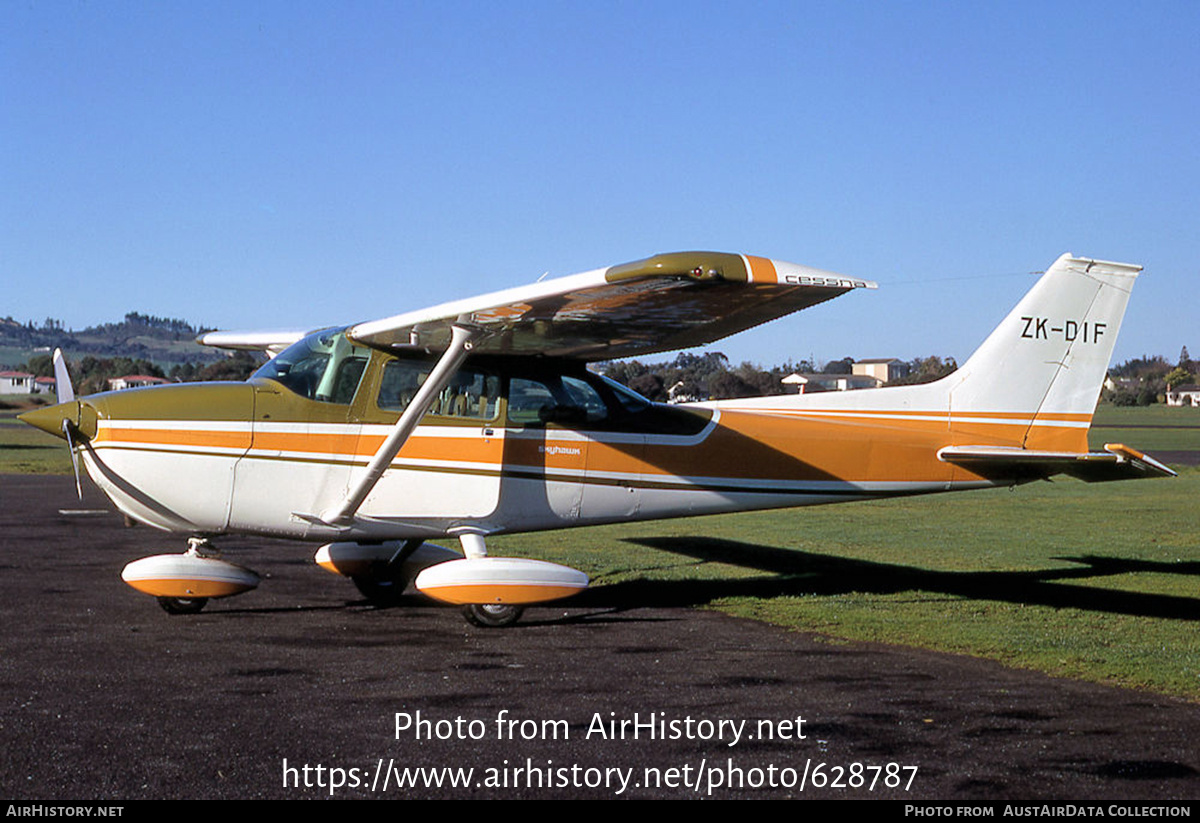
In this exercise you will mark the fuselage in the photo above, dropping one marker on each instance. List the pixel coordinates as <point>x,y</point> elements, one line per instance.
<point>513,444</point>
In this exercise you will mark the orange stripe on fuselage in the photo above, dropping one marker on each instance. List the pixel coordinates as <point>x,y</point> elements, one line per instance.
<point>763,444</point>
<point>458,449</point>
<point>1047,431</point>
<point>175,437</point>
<point>781,448</point>
<point>349,445</point>
<point>804,411</point>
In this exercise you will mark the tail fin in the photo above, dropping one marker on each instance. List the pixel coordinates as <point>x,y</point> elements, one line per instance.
<point>1047,360</point>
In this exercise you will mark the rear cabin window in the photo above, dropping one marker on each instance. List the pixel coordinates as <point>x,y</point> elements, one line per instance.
<point>563,400</point>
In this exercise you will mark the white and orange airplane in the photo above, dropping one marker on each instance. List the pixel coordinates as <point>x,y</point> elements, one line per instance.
<point>479,417</point>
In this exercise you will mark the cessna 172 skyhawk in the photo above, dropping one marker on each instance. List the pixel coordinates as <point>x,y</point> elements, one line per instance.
<point>479,417</point>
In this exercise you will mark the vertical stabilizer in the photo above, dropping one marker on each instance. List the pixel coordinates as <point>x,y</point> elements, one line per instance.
<point>1046,362</point>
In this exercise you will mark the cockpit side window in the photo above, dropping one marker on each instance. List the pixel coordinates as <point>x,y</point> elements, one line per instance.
<point>346,379</point>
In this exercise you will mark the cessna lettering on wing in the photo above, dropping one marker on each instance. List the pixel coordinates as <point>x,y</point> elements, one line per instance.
<point>1039,328</point>
<point>836,282</point>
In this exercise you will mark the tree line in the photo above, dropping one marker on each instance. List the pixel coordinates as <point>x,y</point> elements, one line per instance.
<point>91,374</point>
<point>1144,380</point>
<point>710,376</point>
<point>688,376</point>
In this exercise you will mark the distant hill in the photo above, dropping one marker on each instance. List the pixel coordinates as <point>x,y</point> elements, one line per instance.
<point>162,340</point>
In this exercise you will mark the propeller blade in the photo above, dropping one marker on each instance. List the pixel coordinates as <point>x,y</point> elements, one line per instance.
<point>62,379</point>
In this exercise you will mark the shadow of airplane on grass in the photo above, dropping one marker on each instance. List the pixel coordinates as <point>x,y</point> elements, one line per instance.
<point>796,572</point>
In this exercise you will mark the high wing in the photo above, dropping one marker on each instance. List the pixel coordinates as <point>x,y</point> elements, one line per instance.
<point>666,302</point>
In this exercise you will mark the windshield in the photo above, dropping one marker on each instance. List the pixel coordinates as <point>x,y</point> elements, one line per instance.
<point>324,366</point>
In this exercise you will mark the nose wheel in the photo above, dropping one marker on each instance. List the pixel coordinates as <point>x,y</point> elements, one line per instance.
<point>492,615</point>
<point>184,583</point>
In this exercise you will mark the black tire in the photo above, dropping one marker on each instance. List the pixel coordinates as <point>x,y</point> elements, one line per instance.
<point>379,590</point>
<point>492,615</point>
<point>182,605</point>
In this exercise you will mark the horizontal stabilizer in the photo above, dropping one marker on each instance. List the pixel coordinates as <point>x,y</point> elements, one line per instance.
<point>1116,462</point>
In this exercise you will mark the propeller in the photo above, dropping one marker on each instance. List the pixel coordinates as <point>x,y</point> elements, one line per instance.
<point>63,419</point>
<point>65,393</point>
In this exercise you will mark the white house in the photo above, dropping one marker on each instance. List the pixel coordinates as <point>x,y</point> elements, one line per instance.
<point>807,383</point>
<point>16,382</point>
<point>883,369</point>
<point>1187,394</point>
<point>134,381</point>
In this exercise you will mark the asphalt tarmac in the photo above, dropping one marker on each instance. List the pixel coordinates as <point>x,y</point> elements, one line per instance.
<point>300,685</point>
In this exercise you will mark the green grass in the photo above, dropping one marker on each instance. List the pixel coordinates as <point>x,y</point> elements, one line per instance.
<point>1157,415</point>
<point>24,449</point>
<point>1147,440</point>
<point>1094,581</point>
<point>1174,429</point>
<point>1089,581</point>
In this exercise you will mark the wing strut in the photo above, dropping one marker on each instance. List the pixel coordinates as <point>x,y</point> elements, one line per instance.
<point>460,344</point>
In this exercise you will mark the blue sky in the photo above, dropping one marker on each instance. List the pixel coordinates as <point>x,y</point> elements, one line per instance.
<point>296,164</point>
